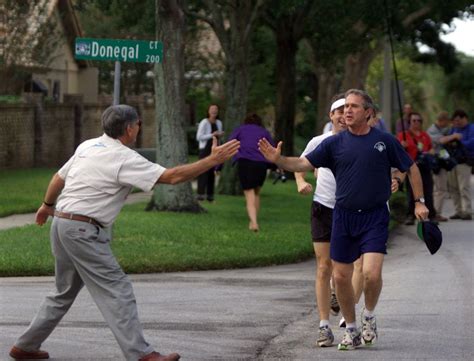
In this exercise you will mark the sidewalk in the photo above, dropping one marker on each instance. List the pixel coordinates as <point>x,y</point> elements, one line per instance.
<point>19,220</point>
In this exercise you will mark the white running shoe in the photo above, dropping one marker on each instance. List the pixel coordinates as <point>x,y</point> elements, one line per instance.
<point>326,337</point>
<point>369,330</point>
<point>350,340</point>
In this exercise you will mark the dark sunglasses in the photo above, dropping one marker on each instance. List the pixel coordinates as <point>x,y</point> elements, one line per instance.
<point>139,122</point>
<point>416,120</point>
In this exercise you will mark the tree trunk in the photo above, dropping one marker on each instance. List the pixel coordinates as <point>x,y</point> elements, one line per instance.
<point>356,66</point>
<point>286,86</point>
<point>232,22</point>
<point>236,107</point>
<point>327,85</point>
<point>327,88</point>
<point>171,143</point>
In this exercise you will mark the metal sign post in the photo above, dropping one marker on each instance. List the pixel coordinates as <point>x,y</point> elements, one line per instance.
<point>139,51</point>
<point>117,83</point>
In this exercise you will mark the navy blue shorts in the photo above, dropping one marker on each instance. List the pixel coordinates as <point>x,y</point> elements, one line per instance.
<point>357,232</point>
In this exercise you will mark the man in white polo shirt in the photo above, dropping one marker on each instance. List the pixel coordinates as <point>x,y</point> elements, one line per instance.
<point>90,190</point>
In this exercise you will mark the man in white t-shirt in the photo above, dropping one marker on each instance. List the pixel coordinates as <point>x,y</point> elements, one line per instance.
<point>328,128</point>
<point>324,200</point>
<point>90,190</point>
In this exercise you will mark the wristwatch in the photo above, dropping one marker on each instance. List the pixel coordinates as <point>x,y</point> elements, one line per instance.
<point>421,200</point>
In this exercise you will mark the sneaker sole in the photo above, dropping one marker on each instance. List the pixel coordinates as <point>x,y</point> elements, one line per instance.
<point>324,344</point>
<point>346,348</point>
<point>369,343</point>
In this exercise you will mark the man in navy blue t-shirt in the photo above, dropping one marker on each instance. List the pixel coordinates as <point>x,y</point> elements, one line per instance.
<point>361,159</point>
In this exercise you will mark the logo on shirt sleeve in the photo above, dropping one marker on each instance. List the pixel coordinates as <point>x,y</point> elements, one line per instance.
<point>380,146</point>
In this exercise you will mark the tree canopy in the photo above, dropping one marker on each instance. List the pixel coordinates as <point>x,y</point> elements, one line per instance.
<point>264,43</point>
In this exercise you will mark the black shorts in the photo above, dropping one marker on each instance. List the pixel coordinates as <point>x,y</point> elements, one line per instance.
<point>321,222</point>
<point>252,174</point>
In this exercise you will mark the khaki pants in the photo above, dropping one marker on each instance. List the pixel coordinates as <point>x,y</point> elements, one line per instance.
<point>460,188</point>
<point>83,257</point>
<point>440,189</point>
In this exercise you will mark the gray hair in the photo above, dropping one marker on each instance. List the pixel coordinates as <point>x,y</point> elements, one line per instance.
<point>116,118</point>
<point>367,99</point>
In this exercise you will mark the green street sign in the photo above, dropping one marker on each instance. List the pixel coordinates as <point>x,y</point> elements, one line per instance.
<point>138,51</point>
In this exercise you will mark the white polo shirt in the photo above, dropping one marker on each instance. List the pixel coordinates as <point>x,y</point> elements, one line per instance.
<point>325,192</point>
<point>99,177</point>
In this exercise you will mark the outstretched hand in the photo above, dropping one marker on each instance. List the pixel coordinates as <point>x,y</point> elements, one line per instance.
<point>220,153</point>
<point>271,153</point>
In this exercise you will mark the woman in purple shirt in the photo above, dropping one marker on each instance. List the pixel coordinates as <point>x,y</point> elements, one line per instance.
<point>252,166</point>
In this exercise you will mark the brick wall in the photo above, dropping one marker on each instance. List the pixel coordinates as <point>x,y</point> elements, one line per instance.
<point>91,126</point>
<point>16,136</point>
<point>47,134</point>
<point>57,140</point>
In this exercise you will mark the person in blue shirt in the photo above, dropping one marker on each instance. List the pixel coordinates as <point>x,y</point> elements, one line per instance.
<point>361,160</point>
<point>462,132</point>
<point>376,120</point>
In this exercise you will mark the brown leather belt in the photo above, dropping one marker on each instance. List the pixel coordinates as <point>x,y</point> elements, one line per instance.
<point>77,217</point>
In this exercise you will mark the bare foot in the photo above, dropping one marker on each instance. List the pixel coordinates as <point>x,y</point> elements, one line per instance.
<point>253,227</point>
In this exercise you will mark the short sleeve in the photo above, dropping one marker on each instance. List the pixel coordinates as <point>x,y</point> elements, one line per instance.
<point>398,156</point>
<point>321,156</point>
<point>63,172</point>
<point>309,147</point>
<point>137,171</point>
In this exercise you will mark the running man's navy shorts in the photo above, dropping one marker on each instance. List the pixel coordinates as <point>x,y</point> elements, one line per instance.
<point>357,232</point>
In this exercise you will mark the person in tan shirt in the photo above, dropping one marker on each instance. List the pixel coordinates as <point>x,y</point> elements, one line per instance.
<point>90,190</point>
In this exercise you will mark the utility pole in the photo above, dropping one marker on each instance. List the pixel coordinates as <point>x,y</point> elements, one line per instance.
<point>387,87</point>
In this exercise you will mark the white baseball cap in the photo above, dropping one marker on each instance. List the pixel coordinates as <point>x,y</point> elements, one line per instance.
<point>338,103</point>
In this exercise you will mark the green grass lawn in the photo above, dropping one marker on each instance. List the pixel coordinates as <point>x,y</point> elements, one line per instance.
<point>22,190</point>
<point>147,242</point>
<point>164,241</point>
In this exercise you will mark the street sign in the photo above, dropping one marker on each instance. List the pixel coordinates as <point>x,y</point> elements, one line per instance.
<point>138,51</point>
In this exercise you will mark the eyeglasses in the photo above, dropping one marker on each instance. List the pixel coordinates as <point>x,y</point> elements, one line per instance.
<point>416,120</point>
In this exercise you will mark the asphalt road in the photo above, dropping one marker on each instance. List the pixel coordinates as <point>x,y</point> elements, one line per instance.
<point>425,310</point>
